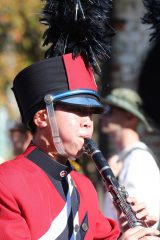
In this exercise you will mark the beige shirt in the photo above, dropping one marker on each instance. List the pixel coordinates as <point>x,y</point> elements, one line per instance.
<point>1,160</point>
<point>141,177</point>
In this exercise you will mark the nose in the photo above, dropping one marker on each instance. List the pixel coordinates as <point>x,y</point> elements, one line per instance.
<point>87,122</point>
<point>103,119</point>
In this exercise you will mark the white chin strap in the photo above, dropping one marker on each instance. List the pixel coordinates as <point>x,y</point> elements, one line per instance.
<point>53,124</point>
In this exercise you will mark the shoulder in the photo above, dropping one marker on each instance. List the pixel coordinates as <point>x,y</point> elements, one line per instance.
<point>1,160</point>
<point>141,153</point>
<point>16,170</point>
<point>140,160</point>
<point>15,164</point>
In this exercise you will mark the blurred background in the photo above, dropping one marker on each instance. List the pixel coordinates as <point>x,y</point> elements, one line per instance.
<point>21,45</point>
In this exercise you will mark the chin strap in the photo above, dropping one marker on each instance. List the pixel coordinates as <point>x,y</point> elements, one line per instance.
<point>53,124</point>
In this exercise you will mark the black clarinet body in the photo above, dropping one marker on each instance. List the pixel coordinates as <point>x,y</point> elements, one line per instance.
<point>117,191</point>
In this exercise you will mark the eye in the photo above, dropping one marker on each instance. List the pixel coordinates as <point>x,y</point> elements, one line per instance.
<point>81,111</point>
<point>108,110</point>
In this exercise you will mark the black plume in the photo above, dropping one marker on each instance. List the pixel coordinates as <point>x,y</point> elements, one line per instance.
<point>152,17</point>
<point>80,27</point>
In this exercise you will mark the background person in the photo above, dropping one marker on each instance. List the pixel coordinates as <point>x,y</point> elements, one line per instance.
<point>133,162</point>
<point>20,137</point>
<point>1,160</point>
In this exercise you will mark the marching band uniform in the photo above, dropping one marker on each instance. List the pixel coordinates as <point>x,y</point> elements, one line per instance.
<point>34,201</point>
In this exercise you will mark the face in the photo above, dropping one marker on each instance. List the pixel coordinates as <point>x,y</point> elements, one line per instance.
<point>74,125</point>
<point>20,141</point>
<point>113,120</point>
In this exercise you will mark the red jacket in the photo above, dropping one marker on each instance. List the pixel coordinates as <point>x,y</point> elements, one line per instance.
<point>29,202</point>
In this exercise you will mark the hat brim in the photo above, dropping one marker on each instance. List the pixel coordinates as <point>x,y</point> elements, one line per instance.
<point>84,102</point>
<point>84,98</point>
<point>116,102</point>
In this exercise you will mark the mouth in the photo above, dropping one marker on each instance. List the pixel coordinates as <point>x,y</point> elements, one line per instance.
<point>85,137</point>
<point>82,142</point>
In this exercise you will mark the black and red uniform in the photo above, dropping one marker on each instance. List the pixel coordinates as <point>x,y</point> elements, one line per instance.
<point>34,202</point>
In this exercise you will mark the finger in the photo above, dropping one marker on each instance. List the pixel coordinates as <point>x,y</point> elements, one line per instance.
<point>150,238</point>
<point>151,220</point>
<point>130,233</point>
<point>147,232</point>
<point>142,214</point>
<point>139,207</point>
<point>140,233</point>
<point>140,210</point>
<point>132,200</point>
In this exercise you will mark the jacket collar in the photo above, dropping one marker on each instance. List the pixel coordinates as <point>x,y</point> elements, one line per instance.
<point>46,163</point>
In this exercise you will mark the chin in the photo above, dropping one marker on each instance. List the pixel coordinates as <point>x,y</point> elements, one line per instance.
<point>79,154</point>
<point>76,155</point>
<point>105,130</point>
<point>74,150</point>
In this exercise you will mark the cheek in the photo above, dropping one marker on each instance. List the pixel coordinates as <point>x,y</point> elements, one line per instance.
<point>68,125</point>
<point>103,121</point>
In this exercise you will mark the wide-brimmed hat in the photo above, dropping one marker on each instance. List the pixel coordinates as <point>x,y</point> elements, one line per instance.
<point>130,101</point>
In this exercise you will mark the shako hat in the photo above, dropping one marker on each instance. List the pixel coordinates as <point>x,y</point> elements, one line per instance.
<point>68,80</point>
<point>79,37</point>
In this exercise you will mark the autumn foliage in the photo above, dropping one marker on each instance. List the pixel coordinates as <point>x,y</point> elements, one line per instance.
<point>20,39</point>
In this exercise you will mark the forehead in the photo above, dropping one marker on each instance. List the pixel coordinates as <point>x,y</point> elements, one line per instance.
<point>114,107</point>
<point>16,134</point>
<point>110,110</point>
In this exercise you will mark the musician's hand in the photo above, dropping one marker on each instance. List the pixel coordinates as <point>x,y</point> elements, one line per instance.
<point>141,213</point>
<point>141,233</point>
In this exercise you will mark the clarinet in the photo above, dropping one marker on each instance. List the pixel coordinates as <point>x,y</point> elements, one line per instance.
<point>118,192</point>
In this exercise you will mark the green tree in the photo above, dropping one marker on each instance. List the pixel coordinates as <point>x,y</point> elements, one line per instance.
<point>20,39</point>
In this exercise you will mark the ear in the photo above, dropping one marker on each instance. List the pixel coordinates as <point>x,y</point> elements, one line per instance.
<point>133,120</point>
<point>40,119</point>
<point>29,135</point>
<point>129,116</point>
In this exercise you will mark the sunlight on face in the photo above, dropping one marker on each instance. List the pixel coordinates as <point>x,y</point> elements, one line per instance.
<point>74,125</point>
